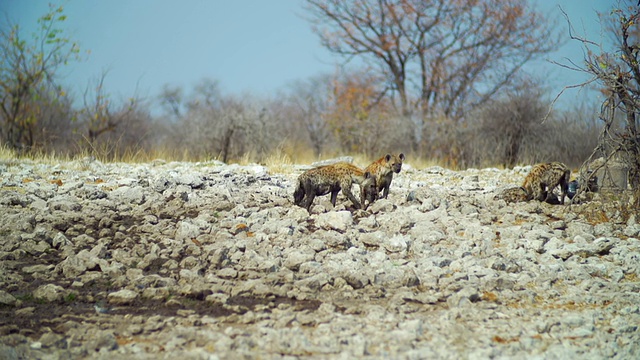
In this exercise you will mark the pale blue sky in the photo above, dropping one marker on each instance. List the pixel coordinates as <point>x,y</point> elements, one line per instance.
<point>256,46</point>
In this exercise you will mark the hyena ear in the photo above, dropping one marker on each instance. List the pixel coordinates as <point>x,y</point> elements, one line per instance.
<point>367,175</point>
<point>401,156</point>
<point>387,157</point>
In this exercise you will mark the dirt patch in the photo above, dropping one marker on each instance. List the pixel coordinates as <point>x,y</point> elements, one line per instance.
<point>36,317</point>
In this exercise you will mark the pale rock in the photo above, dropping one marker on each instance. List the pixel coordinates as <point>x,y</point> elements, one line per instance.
<point>314,282</point>
<point>382,205</point>
<point>7,299</point>
<point>49,293</point>
<point>398,243</point>
<point>373,239</point>
<point>103,340</point>
<point>50,339</point>
<point>333,239</point>
<point>335,220</point>
<point>60,240</point>
<point>297,257</point>
<point>128,195</point>
<point>186,231</point>
<point>190,179</point>
<point>122,297</point>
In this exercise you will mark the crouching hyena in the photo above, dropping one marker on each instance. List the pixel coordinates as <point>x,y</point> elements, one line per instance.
<point>543,178</point>
<point>513,194</point>
<point>331,179</point>
<point>383,170</point>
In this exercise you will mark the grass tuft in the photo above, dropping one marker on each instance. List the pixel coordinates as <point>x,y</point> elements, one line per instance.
<point>278,162</point>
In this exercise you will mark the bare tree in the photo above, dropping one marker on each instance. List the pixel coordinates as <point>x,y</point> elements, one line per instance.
<point>507,122</point>
<point>310,100</point>
<point>99,114</point>
<point>510,130</point>
<point>439,57</point>
<point>230,121</point>
<point>212,125</point>
<point>55,124</point>
<point>171,99</point>
<point>359,115</point>
<point>27,71</point>
<point>617,71</point>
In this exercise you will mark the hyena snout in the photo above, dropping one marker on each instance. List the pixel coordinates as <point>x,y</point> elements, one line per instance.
<point>371,195</point>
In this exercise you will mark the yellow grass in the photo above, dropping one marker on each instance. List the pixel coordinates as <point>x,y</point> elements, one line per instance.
<point>8,155</point>
<point>280,160</point>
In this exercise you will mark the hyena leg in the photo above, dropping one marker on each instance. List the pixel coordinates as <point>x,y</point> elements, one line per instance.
<point>564,186</point>
<point>354,200</point>
<point>310,195</point>
<point>309,201</point>
<point>541,193</point>
<point>334,196</point>
<point>385,191</point>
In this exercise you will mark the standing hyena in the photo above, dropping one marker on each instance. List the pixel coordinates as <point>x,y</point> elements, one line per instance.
<point>543,178</point>
<point>383,170</point>
<point>331,179</point>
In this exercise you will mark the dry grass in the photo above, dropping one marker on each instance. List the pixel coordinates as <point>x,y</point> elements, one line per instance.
<point>280,160</point>
<point>11,156</point>
<point>6,154</point>
<point>109,153</point>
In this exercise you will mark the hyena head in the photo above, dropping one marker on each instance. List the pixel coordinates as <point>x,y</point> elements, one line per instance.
<point>395,162</point>
<point>514,194</point>
<point>368,189</point>
<point>298,194</point>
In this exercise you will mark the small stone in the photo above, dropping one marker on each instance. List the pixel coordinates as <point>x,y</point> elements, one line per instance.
<point>122,297</point>
<point>227,273</point>
<point>7,299</point>
<point>335,220</point>
<point>397,243</point>
<point>50,339</point>
<point>49,293</point>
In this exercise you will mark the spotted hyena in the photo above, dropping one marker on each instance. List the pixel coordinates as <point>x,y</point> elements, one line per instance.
<point>331,179</point>
<point>513,194</point>
<point>383,170</point>
<point>543,178</point>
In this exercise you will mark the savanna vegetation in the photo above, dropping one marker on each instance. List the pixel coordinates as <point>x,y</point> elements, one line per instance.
<point>443,81</point>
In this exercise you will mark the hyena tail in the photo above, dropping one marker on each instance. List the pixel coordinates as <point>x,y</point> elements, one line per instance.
<point>298,195</point>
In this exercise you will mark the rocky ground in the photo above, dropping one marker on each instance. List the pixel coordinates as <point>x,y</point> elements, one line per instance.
<point>213,261</point>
